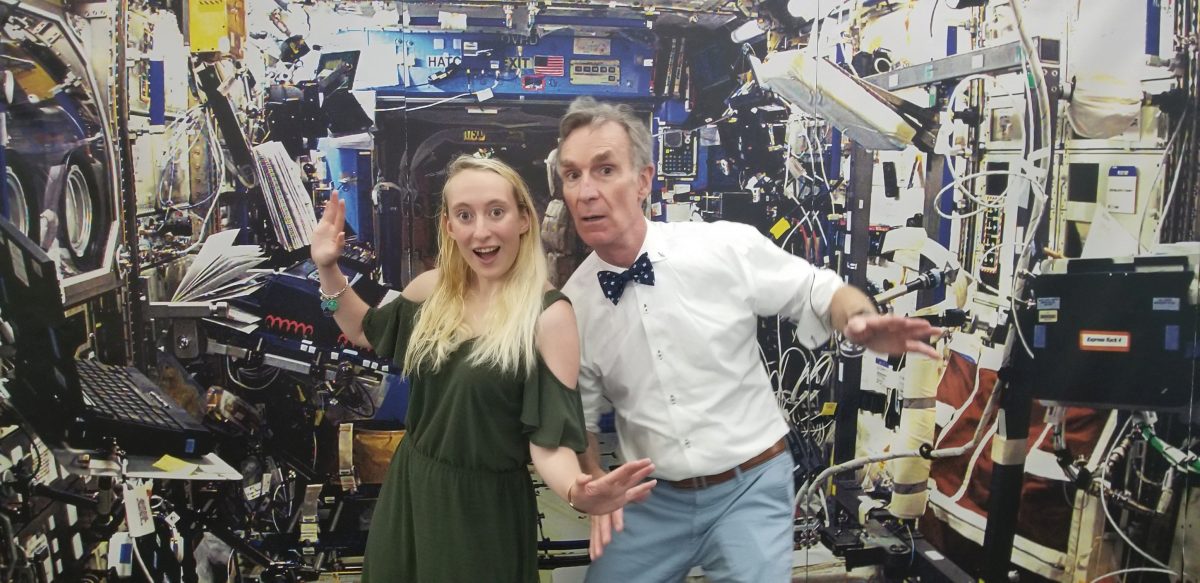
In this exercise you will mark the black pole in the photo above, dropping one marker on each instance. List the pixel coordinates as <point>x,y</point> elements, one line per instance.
<point>848,375</point>
<point>135,324</point>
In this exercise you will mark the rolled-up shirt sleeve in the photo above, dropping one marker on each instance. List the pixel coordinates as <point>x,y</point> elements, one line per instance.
<point>782,284</point>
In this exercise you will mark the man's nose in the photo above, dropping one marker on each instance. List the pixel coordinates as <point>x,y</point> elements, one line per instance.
<point>588,189</point>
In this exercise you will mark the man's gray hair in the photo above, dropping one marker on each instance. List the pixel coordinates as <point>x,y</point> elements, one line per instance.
<point>586,111</point>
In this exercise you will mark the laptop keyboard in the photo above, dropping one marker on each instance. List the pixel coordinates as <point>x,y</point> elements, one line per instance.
<point>111,391</point>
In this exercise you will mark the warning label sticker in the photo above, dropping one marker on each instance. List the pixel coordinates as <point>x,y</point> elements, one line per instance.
<point>1103,341</point>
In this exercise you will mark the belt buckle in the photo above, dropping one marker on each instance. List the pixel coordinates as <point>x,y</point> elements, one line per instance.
<point>700,483</point>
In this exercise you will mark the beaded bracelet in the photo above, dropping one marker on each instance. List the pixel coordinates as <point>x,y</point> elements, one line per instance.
<point>329,302</point>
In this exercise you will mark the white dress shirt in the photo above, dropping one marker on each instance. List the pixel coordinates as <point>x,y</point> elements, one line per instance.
<point>679,360</point>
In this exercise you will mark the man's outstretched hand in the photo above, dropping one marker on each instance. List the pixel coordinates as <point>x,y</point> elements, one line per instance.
<point>891,334</point>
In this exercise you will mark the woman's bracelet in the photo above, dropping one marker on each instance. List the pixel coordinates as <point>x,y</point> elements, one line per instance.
<point>329,302</point>
<point>571,502</point>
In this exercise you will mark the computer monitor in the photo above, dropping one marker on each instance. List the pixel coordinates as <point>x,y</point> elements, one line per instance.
<point>336,70</point>
<point>46,387</point>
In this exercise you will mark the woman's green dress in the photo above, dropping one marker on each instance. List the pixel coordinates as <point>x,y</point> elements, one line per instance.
<point>458,503</point>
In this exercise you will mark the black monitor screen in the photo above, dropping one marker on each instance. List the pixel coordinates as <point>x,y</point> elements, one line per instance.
<point>45,388</point>
<point>339,68</point>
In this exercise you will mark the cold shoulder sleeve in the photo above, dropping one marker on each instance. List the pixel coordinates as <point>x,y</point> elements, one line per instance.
<point>388,327</point>
<point>552,413</point>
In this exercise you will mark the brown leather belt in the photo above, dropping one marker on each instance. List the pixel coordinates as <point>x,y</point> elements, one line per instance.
<point>707,481</point>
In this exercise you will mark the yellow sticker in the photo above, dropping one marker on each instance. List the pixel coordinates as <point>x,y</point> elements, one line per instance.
<point>174,465</point>
<point>1047,316</point>
<point>828,409</point>
<point>780,228</point>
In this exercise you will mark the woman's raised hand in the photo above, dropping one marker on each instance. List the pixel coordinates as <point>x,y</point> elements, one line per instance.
<point>329,237</point>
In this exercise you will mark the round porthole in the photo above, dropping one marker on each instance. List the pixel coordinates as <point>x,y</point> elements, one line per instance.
<point>82,212</point>
<point>79,210</point>
<point>18,205</point>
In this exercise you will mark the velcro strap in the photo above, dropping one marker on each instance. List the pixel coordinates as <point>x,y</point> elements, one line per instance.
<point>346,474</point>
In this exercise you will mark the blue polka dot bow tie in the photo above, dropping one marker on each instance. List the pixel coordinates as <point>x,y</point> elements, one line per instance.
<point>613,284</point>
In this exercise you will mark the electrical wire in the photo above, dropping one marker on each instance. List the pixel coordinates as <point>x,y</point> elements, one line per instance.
<point>1170,198</point>
<point>1135,570</point>
<point>1104,485</point>
<point>440,101</point>
<point>238,380</point>
<point>1180,459</point>
<point>1035,61</point>
<point>1159,174</point>
<point>1041,190</point>
<point>958,413</point>
<point>138,555</point>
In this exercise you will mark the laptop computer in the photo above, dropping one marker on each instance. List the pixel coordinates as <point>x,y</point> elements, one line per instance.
<point>77,402</point>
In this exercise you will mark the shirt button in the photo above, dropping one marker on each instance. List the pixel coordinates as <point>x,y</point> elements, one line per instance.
<point>672,399</point>
<point>660,355</point>
<point>645,308</point>
<point>687,443</point>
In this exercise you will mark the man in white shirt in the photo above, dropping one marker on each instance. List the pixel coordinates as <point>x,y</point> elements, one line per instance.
<point>668,326</point>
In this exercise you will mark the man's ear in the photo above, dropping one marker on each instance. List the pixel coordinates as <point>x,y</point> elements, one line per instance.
<point>645,181</point>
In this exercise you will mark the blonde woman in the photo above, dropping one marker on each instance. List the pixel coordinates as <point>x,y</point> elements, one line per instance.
<point>492,354</point>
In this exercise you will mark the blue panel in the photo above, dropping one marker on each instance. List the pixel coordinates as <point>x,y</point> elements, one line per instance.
<point>344,176</point>
<point>498,65</point>
<point>1039,336</point>
<point>835,155</point>
<point>158,101</point>
<point>365,182</point>
<point>673,111</point>
<point>395,402</point>
<point>70,107</point>
<point>1153,23</point>
<point>947,202</point>
<point>1171,338</point>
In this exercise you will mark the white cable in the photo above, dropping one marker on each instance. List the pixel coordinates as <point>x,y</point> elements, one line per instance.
<point>138,555</point>
<point>965,484</point>
<point>958,413</point>
<point>1158,174</point>
<point>440,101</point>
<point>1104,500</point>
<point>1027,125</point>
<point>821,155</point>
<point>1117,528</point>
<point>406,108</point>
<point>1039,74</point>
<point>853,464</point>
<point>1162,217</point>
<point>787,172</point>
<point>984,205</point>
<point>984,421</point>
<point>1135,570</point>
<point>203,226</point>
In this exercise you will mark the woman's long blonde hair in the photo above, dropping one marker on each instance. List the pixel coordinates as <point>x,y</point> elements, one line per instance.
<point>506,340</point>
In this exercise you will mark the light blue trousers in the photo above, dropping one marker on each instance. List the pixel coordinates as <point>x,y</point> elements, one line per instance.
<point>739,531</point>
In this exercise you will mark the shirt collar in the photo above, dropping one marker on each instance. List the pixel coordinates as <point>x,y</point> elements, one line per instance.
<point>653,245</point>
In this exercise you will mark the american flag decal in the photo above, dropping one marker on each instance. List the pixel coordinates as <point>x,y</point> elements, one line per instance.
<point>551,66</point>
